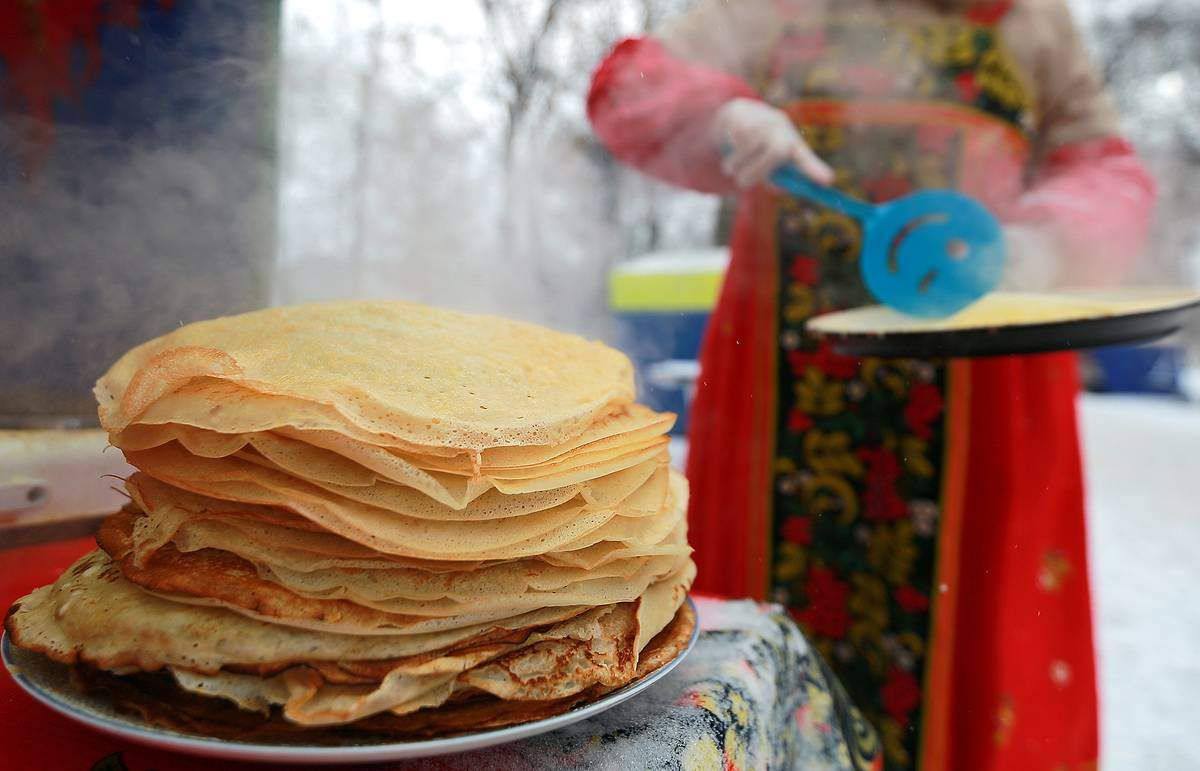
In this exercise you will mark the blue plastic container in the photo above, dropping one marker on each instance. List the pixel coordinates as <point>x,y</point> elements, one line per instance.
<point>662,303</point>
<point>1146,369</point>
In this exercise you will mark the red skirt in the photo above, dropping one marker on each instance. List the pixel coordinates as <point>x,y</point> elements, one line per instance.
<point>1008,680</point>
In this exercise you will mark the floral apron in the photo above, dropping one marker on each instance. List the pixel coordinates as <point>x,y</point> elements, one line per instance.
<point>871,461</point>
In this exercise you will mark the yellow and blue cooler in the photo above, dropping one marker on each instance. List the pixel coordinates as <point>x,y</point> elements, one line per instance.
<point>662,302</point>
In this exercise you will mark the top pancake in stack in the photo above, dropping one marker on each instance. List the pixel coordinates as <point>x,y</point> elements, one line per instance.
<point>361,509</point>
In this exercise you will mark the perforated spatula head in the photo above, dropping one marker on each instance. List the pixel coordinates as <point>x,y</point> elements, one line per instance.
<point>930,253</point>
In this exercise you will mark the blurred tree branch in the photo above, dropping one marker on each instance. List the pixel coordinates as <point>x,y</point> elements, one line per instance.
<point>360,178</point>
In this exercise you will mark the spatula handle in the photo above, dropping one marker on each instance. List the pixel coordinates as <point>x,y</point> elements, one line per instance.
<point>792,180</point>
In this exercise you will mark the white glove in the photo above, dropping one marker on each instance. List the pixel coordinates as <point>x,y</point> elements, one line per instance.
<point>1033,261</point>
<point>759,139</point>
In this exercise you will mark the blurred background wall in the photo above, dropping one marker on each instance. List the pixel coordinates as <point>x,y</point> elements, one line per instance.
<point>137,183</point>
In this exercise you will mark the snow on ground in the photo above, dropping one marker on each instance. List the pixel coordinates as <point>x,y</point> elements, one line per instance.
<point>1143,472</point>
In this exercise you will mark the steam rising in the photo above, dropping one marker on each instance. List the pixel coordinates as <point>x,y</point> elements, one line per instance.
<point>160,214</point>
<point>464,205</point>
<point>435,152</point>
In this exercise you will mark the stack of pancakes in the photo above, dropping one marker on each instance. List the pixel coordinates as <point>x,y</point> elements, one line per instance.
<point>374,514</point>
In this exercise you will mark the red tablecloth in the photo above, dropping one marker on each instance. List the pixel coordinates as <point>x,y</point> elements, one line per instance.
<point>33,736</point>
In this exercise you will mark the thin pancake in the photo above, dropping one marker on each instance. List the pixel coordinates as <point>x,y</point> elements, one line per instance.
<point>626,426</point>
<point>233,479</point>
<point>377,528</point>
<point>226,408</point>
<point>158,700</point>
<point>274,546</point>
<point>93,615</point>
<point>998,310</point>
<point>430,376</point>
<point>598,647</point>
<point>266,534</point>
<point>376,601</point>
<point>605,491</point>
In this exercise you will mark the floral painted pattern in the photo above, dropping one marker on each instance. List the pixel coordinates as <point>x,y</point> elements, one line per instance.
<point>752,695</point>
<point>859,443</point>
<point>857,485</point>
<point>957,60</point>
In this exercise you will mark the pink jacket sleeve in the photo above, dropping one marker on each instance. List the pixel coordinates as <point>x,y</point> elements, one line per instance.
<point>1089,191</point>
<point>1097,200</point>
<point>653,111</point>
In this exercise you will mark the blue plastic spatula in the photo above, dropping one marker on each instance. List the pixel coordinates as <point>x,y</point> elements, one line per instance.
<point>930,253</point>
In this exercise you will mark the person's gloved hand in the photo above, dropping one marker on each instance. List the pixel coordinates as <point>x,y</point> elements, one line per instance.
<point>758,138</point>
<point>1033,260</point>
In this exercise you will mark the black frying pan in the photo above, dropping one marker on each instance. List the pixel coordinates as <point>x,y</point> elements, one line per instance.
<point>1142,325</point>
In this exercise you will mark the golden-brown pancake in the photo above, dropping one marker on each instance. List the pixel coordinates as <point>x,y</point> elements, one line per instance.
<point>377,515</point>
<point>429,376</point>
<point>570,526</point>
<point>1006,309</point>
<point>158,700</point>
<point>283,548</point>
<point>597,647</point>
<point>94,616</point>
<point>373,601</point>
<point>625,426</point>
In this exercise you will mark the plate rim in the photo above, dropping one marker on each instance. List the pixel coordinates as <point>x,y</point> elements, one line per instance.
<point>134,730</point>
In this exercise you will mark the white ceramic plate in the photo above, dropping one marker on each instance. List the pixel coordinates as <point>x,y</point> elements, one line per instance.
<point>50,684</point>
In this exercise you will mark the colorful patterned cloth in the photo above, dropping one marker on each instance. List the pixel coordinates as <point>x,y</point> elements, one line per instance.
<point>751,695</point>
